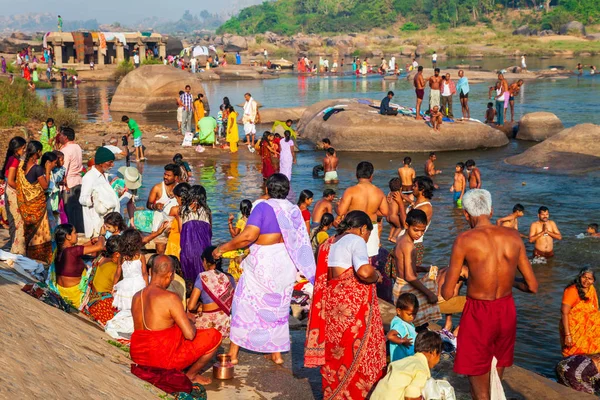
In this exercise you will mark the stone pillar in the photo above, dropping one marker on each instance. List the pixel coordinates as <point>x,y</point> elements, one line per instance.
<point>120,52</point>
<point>141,50</point>
<point>58,48</point>
<point>100,58</point>
<point>162,50</point>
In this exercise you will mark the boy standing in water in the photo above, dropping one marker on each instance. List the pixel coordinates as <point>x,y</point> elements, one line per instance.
<point>474,175</point>
<point>407,174</point>
<point>490,113</point>
<point>330,163</point>
<point>458,187</point>
<point>134,130</point>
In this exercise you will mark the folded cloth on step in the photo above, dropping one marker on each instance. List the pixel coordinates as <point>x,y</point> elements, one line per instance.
<point>23,265</point>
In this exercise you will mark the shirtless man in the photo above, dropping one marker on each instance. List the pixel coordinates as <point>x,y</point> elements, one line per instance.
<point>512,220</point>
<point>330,163</point>
<point>160,200</point>
<point>365,197</point>
<point>430,170</point>
<point>435,83</point>
<point>474,175</point>
<point>514,90</point>
<point>488,324</point>
<point>543,233</point>
<point>505,92</point>
<point>407,174</point>
<point>325,205</point>
<point>325,143</point>
<point>160,323</point>
<point>419,83</point>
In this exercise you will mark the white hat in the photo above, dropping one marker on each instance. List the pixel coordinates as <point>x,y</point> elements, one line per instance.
<point>133,178</point>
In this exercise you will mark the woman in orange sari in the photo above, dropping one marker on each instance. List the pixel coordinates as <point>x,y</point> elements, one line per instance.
<point>32,181</point>
<point>345,332</point>
<point>580,324</point>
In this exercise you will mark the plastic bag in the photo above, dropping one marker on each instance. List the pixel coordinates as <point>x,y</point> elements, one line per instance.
<point>438,390</point>
<point>496,389</point>
<point>187,139</point>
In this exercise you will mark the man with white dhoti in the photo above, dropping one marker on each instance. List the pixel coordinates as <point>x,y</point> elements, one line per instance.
<point>279,247</point>
<point>97,195</point>
<point>366,197</point>
<point>249,120</point>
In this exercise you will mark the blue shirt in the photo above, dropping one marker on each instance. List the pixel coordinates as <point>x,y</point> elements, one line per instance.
<point>385,105</point>
<point>399,351</point>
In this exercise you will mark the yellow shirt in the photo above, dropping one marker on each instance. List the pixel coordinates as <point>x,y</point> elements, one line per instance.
<point>404,378</point>
<point>104,278</point>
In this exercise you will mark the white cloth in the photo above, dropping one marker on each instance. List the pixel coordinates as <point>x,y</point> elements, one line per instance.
<point>392,63</point>
<point>499,95</point>
<point>97,199</point>
<point>114,149</point>
<point>162,216</point>
<point>496,389</point>
<point>446,90</point>
<point>132,282</point>
<point>249,129</point>
<point>121,326</point>
<point>523,63</point>
<point>350,251</point>
<point>23,265</point>
<point>136,59</point>
<point>250,110</point>
<point>434,57</point>
<point>373,243</point>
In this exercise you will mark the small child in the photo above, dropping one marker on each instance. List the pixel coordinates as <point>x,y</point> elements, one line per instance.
<point>395,185</point>
<point>402,331</point>
<point>458,187</point>
<point>405,379</point>
<point>134,130</point>
<point>490,113</point>
<point>592,230</point>
<point>132,266</point>
<point>114,224</point>
<point>237,256</point>
<point>319,234</point>
<point>436,118</point>
<point>186,170</point>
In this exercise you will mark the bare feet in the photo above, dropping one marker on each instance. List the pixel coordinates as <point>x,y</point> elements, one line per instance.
<point>276,358</point>
<point>200,379</point>
<point>419,118</point>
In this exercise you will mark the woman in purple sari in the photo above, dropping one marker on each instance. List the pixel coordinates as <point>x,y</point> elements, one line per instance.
<point>196,231</point>
<point>279,247</point>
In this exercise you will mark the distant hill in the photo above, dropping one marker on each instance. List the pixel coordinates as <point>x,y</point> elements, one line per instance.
<point>287,17</point>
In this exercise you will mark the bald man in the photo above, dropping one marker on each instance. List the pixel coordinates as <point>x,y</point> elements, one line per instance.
<point>164,337</point>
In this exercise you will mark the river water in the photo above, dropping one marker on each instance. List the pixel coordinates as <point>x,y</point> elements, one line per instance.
<point>572,199</point>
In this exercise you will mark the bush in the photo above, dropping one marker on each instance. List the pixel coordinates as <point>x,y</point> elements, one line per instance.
<point>124,67</point>
<point>151,61</point>
<point>444,26</point>
<point>409,26</point>
<point>554,19</point>
<point>18,105</point>
<point>457,51</point>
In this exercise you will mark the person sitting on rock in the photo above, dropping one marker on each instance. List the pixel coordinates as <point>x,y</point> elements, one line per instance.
<point>385,108</point>
<point>436,118</point>
<point>164,337</point>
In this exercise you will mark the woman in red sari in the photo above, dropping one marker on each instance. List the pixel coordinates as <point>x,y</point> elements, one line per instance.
<point>267,151</point>
<point>345,332</point>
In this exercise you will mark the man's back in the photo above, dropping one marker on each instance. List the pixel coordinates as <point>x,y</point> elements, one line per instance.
<point>365,197</point>
<point>407,175</point>
<point>492,254</point>
<point>155,304</point>
<point>321,207</point>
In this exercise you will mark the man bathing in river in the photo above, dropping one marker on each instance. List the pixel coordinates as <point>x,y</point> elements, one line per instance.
<point>489,320</point>
<point>325,205</point>
<point>514,90</point>
<point>474,175</point>
<point>512,220</point>
<point>430,170</point>
<point>435,82</point>
<point>330,163</point>
<point>407,174</point>
<point>542,233</point>
<point>366,197</point>
<point>164,336</point>
<point>419,83</point>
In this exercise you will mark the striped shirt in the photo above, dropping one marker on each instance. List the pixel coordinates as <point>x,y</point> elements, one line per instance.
<point>187,100</point>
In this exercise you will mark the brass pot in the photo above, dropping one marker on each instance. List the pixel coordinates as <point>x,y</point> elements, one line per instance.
<point>223,369</point>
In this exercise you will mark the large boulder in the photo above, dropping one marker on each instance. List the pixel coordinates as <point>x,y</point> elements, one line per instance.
<point>572,149</point>
<point>538,126</point>
<point>573,27</point>
<point>593,36</point>
<point>235,43</point>
<point>361,128</point>
<point>306,43</point>
<point>522,31</point>
<point>153,88</point>
<point>270,115</point>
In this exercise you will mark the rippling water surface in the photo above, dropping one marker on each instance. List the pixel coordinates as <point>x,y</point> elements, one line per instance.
<point>572,199</point>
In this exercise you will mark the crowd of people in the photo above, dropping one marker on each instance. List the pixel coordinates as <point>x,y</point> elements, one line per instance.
<point>178,305</point>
